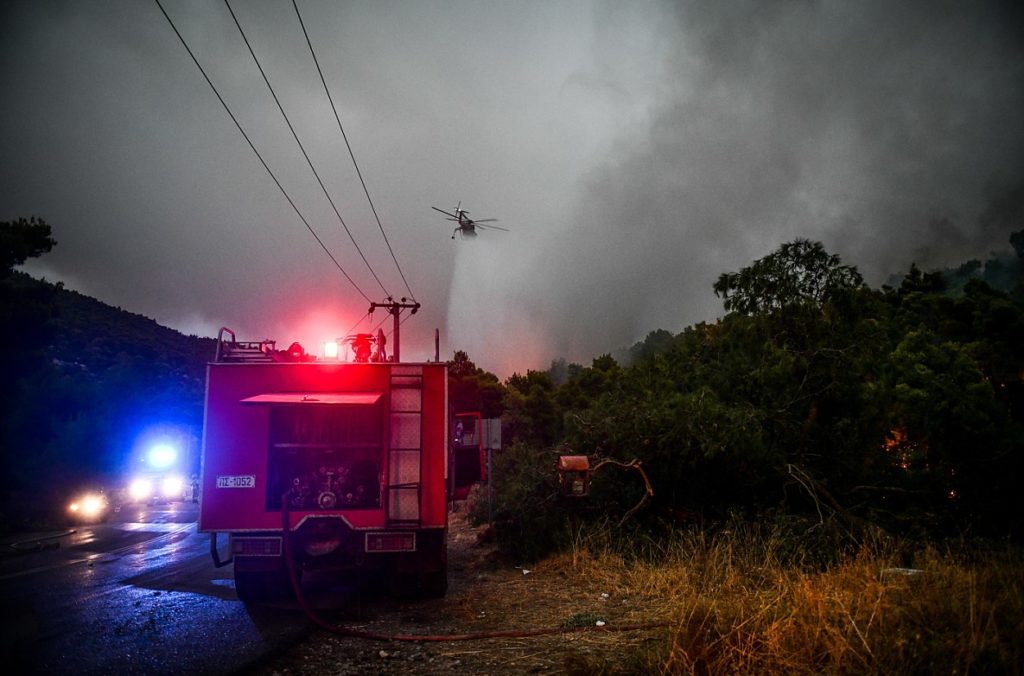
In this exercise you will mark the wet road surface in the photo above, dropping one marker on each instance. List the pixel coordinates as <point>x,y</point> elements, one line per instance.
<point>138,594</point>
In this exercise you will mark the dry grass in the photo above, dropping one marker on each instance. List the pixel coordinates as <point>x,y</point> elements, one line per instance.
<point>760,600</point>
<point>734,606</point>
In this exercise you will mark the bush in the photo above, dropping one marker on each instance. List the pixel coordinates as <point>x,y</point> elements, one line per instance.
<point>531,516</point>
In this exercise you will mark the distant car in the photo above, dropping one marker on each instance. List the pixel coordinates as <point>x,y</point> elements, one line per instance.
<point>158,476</point>
<point>157,487</point>
<point>89,507</point>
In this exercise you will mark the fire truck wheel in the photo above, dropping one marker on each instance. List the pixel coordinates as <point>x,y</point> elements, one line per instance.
<point>434,585</point>
<point>419,585</point>
<point>257,586</point>
<point>434,582</point>
<point>431,583</point>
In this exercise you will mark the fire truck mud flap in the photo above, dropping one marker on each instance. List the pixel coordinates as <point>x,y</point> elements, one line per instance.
<point>260,570</point>
<point>215,553</point>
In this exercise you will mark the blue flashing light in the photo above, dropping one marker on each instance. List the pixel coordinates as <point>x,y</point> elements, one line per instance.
<point>162,456</point>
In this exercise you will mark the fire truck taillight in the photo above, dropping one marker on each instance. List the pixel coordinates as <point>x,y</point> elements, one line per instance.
<point>391,542</point>
<point>331,350</point>
<point>256,546</point>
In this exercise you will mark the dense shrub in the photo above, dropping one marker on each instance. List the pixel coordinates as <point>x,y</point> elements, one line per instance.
<point>901,407</point>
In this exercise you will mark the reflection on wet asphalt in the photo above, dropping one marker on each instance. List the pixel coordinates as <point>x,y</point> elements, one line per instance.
<point>137,595</point>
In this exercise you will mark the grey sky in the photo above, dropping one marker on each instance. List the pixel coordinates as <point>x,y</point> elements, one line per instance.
<point>635,151</point>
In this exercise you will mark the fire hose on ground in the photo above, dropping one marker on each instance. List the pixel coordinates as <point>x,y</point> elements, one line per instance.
<point>425,638</point>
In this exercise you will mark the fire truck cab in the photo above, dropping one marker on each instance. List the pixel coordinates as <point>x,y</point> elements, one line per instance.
<point>324,465</point>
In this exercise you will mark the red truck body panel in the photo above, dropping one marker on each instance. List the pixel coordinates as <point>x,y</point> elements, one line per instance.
<point>240,449</point>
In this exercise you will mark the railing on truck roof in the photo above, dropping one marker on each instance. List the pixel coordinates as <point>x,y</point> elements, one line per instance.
<point>244,352</point>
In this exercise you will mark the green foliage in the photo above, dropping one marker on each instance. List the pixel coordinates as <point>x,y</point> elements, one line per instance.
<point>531,515</point>
<point>656,342</point>
<point>800,271</point>
<point>471,389</point>
<point>817,397</point>
<point>530,409</point>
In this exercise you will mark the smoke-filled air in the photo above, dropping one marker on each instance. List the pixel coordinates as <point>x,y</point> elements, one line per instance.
<point>634,151</point>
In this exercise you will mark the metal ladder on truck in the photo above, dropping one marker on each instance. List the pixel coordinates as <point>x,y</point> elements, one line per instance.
<point>405,447</point>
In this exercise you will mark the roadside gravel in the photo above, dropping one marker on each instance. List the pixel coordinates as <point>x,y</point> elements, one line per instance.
<point>485,594</point>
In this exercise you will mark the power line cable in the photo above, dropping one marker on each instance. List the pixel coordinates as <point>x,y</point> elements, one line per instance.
<point>303,149</point>
<point>364,318</point>
<point>382,320</point>
<point>258,155</point>
<point>349,146</point>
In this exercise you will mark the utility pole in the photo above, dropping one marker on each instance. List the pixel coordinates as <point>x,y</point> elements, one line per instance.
<point>395,308</point>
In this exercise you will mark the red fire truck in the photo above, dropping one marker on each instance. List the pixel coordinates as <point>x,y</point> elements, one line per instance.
<point>347,460</point>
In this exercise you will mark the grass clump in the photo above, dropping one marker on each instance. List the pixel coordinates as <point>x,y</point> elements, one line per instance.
<point>577,620</point>
<point>738,602</point>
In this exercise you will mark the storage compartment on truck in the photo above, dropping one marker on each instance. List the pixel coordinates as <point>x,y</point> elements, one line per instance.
<point>326,457</point>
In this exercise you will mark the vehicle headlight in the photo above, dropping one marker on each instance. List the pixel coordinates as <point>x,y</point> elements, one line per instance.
<point>140,489</point>
<point>92,505</point>
<point>88,506</point>
<point>173,485</point>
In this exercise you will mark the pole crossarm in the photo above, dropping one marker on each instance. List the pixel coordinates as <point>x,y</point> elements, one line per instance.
<point>393,306</point>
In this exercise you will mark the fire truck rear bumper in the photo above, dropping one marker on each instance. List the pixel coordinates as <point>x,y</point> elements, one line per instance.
<point>327,547</point>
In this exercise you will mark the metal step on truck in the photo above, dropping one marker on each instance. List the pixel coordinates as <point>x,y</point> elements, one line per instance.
<point>322,464</point>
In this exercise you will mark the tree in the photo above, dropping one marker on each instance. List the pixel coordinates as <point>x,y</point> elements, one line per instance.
<point>23,239</point>
<point>1017,242</point>
<point>26,308</point>
<point>656,342</point>
<point>471,388</point>
<point>461,365</point>
<point>799,272</point>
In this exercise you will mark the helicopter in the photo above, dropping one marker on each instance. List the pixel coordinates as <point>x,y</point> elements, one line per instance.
<point>467,226</point>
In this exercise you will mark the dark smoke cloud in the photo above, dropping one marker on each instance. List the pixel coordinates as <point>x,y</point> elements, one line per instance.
<point>890,131</point>
<point>634,150</point>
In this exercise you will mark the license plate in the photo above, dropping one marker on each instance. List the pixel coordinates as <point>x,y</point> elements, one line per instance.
<point>244,481</point>
<point>390,542</point>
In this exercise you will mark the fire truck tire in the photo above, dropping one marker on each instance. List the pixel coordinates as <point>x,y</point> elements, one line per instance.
<point>434,585</point>
<point>434,582</point>
<point>257,586</point>
<point>429,579</point>
<point>430,585</point>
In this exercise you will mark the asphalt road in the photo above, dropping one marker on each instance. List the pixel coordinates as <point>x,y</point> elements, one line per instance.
<point>138,594</point>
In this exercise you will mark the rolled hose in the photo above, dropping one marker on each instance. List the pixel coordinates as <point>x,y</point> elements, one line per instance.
<point>424,638</point>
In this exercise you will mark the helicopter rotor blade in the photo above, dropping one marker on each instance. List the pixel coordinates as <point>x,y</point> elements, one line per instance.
<point>492,227</point>
<point>444,212</point>
<point>485,220</point>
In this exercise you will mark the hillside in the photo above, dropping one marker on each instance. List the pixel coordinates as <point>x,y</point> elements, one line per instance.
<point>85,384</point>
<point>96,335</point>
